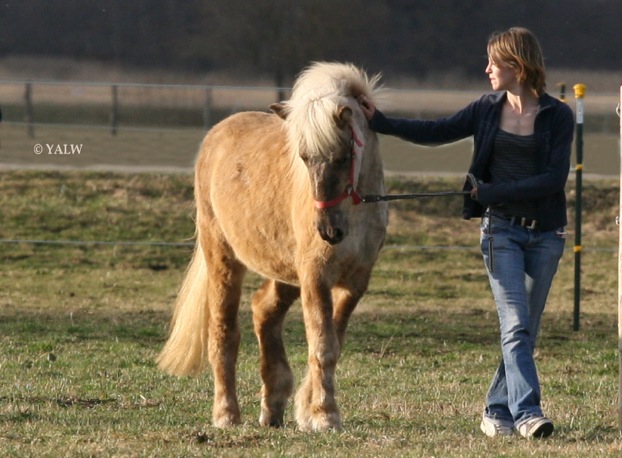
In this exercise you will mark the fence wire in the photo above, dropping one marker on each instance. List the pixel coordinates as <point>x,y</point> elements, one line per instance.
<point>191,244</point>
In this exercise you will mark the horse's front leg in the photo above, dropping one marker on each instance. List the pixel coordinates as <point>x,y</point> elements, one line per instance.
<point>316,408</point>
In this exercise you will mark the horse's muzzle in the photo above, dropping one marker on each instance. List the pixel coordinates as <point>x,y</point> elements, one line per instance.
<point>332,235</point>
<point>332,225</point>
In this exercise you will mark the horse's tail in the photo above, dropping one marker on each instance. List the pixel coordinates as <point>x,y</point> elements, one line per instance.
<point>185,352</point>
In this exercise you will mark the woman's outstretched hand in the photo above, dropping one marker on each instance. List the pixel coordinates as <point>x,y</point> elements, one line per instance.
<point>367,106</point>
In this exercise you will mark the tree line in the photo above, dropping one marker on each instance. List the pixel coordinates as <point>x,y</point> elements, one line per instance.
<point>276,38</point>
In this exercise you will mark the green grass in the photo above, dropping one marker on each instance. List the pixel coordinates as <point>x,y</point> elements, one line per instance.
<point>80,327</point>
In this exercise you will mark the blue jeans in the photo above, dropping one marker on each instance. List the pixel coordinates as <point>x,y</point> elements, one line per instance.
<point>524,264</point>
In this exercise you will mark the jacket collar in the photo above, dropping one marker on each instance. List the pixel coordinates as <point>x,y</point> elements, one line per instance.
<point>498,98</point>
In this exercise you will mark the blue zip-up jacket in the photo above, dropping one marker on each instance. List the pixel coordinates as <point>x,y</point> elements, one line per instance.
<point>553,129</point>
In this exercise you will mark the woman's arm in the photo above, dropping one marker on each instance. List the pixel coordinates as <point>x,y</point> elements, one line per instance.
<point>427,132</point>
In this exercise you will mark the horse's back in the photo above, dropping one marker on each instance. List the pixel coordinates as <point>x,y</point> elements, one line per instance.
<point>242,182</point>
<point>232,136</point>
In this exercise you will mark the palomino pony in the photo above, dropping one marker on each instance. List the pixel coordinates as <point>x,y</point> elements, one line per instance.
<point>278,194</point>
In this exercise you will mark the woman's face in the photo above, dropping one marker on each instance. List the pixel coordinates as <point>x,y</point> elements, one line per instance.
<point>502,77</point>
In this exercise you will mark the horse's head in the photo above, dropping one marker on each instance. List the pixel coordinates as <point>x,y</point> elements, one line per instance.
<point>332,155</point>
<point>325,129</point>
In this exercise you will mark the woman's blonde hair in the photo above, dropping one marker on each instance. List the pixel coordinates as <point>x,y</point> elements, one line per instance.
<point>519,48</point>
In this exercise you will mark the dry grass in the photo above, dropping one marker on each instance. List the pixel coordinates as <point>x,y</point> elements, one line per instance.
<point>81,325</point>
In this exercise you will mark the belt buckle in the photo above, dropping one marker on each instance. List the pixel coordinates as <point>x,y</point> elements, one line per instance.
<point>532,226</point>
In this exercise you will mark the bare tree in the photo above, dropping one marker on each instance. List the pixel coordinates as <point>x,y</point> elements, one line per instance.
<point>279,37</point>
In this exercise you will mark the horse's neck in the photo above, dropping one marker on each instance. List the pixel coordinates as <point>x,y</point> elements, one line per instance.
<point>299,179</point>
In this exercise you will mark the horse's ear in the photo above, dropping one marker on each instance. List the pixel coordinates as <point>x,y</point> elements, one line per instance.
<point>280,109</point>
<point>344,115</point>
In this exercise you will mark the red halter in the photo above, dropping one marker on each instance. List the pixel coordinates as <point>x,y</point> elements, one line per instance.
<point>349,191</point>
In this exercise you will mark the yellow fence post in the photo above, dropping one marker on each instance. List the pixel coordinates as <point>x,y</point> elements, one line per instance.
<point>579,93</point>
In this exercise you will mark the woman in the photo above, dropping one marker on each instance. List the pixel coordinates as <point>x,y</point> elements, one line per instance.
<point>521,160</point>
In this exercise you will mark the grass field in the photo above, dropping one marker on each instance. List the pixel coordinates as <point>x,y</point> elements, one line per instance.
<point>80,326</point>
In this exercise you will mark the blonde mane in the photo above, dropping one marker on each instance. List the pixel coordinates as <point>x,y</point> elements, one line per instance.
<point>318,93</point>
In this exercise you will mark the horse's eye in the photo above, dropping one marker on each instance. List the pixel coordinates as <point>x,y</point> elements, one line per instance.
<point>346,158</point>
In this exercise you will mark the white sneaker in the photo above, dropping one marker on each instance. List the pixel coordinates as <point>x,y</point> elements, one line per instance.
<point>496,427</point>
<point>536,427</point>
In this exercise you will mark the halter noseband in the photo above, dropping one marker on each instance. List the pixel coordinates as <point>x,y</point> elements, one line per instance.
<point>357,145</point>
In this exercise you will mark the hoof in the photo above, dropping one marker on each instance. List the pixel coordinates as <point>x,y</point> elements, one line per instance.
<point>320,422</point>
<point>274,421</point>
<point>272,412</point>
<point>226,421</point>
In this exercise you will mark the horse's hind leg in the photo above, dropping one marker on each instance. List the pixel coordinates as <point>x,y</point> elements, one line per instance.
<point>345,300</point>
<point>270,304</point>
<point>224,288</point>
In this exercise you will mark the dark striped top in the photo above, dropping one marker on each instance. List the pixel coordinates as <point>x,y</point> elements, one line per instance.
<point>514,158</point>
